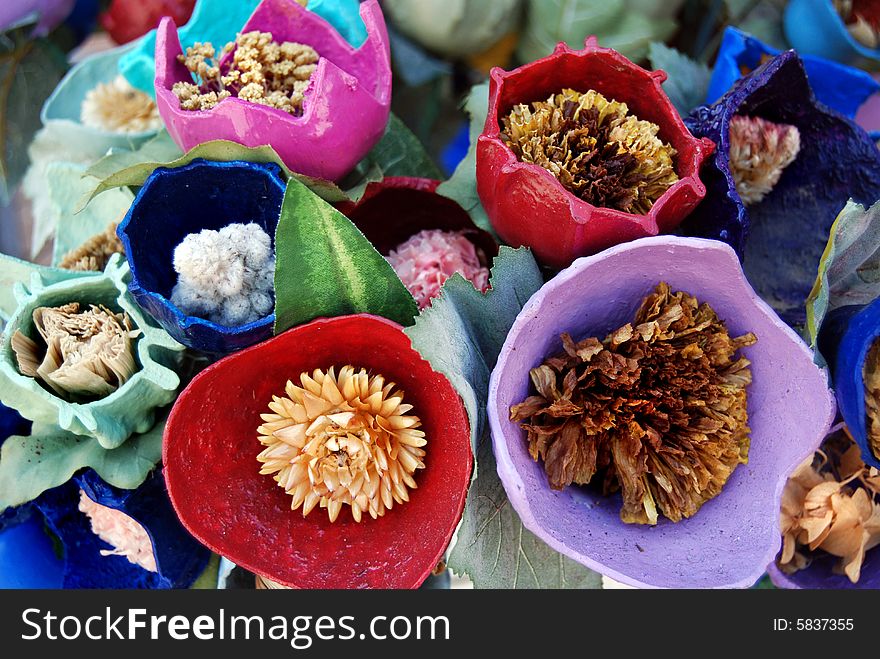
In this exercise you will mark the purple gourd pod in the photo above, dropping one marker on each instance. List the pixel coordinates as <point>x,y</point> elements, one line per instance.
<point>346,106</point>
<point>732,538</point>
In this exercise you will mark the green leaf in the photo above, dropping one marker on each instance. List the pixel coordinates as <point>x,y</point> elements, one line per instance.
<point>462,185</point>
<point>849,270</point>
<point>324,266</point>
<point>496,551</point>
<point>398,153</point>
<point>462,332</point>
<point>29,71</point>
<point>688,80</point>
<point>50,456</point>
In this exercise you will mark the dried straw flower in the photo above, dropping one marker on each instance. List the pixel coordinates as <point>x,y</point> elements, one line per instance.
<point>831,504</point>
<point>658,409</point>
<point>261,71</point>
<point>93,254</point>
<point>430,257</point>
<point>597,150</point>
<point>862,19</point>
<point>127,537</point>
<point>342,441</point>
<point>759,151</point>
<point>871,376</point>
<point>118,107</point>
<point>82,355</point>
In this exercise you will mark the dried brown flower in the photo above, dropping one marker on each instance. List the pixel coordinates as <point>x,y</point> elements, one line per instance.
<point>831,504</point>
<point>93,254</point>
<point>759,151</point>
<point>342,441</point>
<point>118,107</point>
<point>597,150</point>
<point>261,71</point>
<point>82,354</point>
<point>657,409</point>
<point>871,376</point>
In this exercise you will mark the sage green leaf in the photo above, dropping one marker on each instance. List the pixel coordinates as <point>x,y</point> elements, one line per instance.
<point>49,457</point>
<point>688,80</point>
<point>763,20</point>
<point>398,153</point>
<point>131,168</point>
<point>462,185</point>
<point>849,270</point>
<point>324,266</point>
<point>495,550</point>
<point>29,71</point>
<point>462,332</point>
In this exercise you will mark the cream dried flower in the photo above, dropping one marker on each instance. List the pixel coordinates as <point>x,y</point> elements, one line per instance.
<point>226,276</point>
<point>871,377</point>
<point>93,254</point>
<point>118,107</point>
<point>430,257</point>
<point>85,354</point>
<point>342,441</point>
<point>127,537</point>
<point>759,151</point>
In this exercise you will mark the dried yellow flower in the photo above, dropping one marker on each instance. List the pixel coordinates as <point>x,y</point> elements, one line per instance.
<point>93,254</point>
<point>871,376</point>
<point>759,151</point>
<point>261,71</point>
<point>657,410</point>
<point>82,355</point>
<point>595,148</point>
<point>118,107</point>
<point>831,504</point>
<point>342,441</point>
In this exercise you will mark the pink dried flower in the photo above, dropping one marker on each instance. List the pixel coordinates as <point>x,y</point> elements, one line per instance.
<point>759,151</point>
<point>127,537</point>
<point>430,257</point>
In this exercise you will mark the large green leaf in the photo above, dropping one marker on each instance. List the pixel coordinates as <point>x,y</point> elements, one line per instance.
<point>496,551</point>
<point>462,185</point>
<point>29,71</point>
<point>324,266</point>
<point>849,271</point>
<point>50,456</point>
<point>688,80</point>
<point>462,332</point>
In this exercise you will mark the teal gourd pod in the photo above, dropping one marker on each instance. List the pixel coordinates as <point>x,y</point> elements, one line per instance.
<point>113,418</point>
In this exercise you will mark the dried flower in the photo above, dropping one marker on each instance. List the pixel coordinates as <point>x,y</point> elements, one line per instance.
<point>759,151</point>
<point>127,537</point>
<point>831,504</point>
<point>871,376</point>
<point>120,108</point>
<point>225,276</point>
<point>86,354</point>
<point>346,441</point>
<point>262,71</point>
<point>659,406</point>
<point>862,20</point>
<point>93,254</point>
<point>430,257</point>
<point>597,150</point>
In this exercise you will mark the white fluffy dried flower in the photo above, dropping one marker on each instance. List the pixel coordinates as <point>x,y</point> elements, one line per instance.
<point>759,151</point>
<point>226,276</point>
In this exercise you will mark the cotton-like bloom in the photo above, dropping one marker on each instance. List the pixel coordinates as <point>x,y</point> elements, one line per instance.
<point>225,276</point>
<point>430,257</point>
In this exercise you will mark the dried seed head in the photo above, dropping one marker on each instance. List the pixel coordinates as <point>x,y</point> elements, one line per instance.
<point>83,355</point>
<point>759,151</point>
<point>597,150</point>
<point>342,441</point>
<point>261,71</point>
<point>118,107</point>
<point>127,537</point>
<point>871,377</point>
<point>831,505</point>
<point>430,257</point>
<point>93,254</point>
<point>657,409</point>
